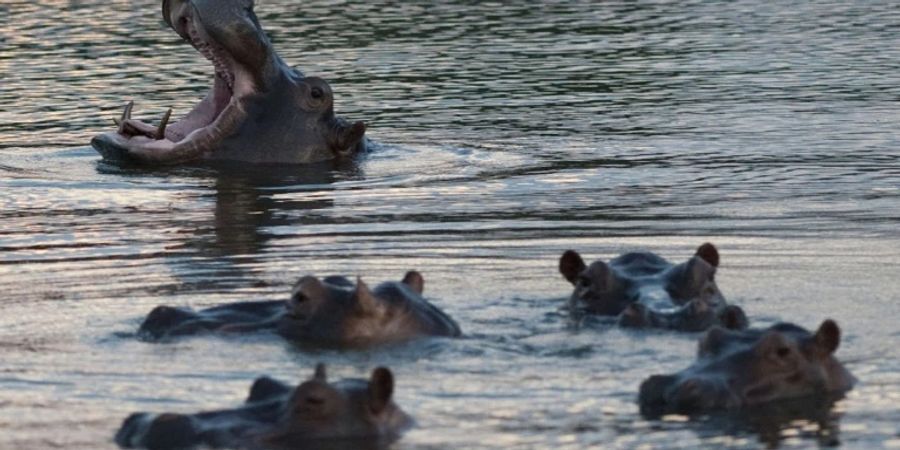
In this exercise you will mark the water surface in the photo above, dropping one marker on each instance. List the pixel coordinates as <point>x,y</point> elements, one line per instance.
<point>508,134</point>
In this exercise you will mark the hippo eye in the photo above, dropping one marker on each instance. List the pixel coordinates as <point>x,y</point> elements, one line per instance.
<point>316,401</point>
<point>783,352</point>
<point>316,93</point>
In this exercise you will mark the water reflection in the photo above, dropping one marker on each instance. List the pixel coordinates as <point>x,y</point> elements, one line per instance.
<point>813,418</point>
<point>298,442</point>
<point>248,202</point>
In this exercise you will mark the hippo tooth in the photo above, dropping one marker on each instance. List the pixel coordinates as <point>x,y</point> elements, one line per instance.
<point>161,131</point>
<point>126,114</point>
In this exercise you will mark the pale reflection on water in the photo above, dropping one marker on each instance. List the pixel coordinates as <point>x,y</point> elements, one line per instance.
<point>510,133</point>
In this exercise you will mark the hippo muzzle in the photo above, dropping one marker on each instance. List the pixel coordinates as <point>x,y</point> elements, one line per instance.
<point>737,369</point>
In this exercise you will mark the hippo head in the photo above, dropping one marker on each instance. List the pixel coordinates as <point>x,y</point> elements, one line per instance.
<point>315,414</point>
<point>335,312</point>
<point>737,369</point>
<point>347,409</point>
<point>644,289</point>
<point>258,109</point>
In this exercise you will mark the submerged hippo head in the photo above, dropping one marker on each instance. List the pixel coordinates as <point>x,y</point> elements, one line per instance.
<point>736,369</point>
<point>349,408</point>
<point>643,289</point>
<point>258,110</point>
<point>335,312</point>
<point>277,416</point>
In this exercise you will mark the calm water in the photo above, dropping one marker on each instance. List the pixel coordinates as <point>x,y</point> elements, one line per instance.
<point>510,133</point>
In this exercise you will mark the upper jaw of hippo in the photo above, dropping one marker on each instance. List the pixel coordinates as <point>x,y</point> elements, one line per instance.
<point>212,120</point>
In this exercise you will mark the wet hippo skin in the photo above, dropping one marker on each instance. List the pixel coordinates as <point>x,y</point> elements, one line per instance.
<point>259,109</point>
<point>332,312</point>
<point>348,414</point>
<point>644,290</point>
<point>736,369</point>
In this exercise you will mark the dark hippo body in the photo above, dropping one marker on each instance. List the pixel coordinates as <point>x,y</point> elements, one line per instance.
<point>332,312</point>
<point>644,290</point>
<point>259,109</point>
<point>348,414</point>
<point>739,369</point>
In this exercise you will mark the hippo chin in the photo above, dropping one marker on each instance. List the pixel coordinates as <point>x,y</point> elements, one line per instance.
<point>332,312</point>
<point>259,109</point>
<point>740,369</point>
<point>351,414</point>
<point>645,290</point>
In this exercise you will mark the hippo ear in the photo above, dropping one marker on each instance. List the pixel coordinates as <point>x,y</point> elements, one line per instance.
<point>734,318</point>
<point>308,288</point>
<point>711,343</point>
<point>570,265</point>
<point>828,337</point>
<point>366,303</point>
<point>602,277</point>
<point>381,389</point>
<point>699,271</point>
<point>415,281</point>
<point>709,254</point>
<point>320,374</point>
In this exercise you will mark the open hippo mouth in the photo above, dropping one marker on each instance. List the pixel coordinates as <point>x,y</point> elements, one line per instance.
<point>216,117</point>
<point>259,109</point>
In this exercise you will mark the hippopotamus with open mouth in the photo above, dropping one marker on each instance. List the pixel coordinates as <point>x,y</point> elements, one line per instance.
<point>332,312</point>
<point>259,109</point>
<point>736,369</point>
<point>645,290</point>
<point>350,414</point>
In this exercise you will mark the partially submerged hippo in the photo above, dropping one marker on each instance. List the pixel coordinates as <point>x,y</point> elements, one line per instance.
<point>316,414</point>
<point>736,369</point>
<point>645,290</point>
<point>259,109</point>
<point>332,312</point>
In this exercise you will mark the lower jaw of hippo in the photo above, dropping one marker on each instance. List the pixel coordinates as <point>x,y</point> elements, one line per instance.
<point>171,148</point>
<point>200,131</point>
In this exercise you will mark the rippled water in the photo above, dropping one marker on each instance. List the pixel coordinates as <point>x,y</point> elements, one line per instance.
<point>509,134</point>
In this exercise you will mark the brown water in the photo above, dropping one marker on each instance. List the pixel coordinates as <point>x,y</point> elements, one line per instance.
<point>508,134</point>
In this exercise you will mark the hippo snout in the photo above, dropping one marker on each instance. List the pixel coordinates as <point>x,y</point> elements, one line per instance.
<point>169,431</point>
<point>693,395</point>
<point>635,315</point>
<point>127,436</point>
<point>653,396</point>
<point>160,320</point>
<point>653,390</point>
<point>669,393</point>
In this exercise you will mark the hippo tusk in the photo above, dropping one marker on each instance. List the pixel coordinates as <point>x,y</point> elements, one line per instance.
<point>161,131</point>
<point>126,114</point>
